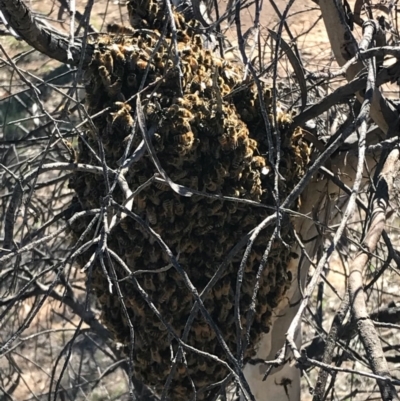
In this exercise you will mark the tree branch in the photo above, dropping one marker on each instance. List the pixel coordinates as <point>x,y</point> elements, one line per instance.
<point>43,39</point>
<point>365,326</point>
<point>345,47</point>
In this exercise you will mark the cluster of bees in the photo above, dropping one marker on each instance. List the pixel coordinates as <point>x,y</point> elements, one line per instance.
<point>210,137</point>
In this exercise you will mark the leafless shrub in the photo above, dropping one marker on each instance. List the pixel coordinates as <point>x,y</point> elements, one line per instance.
<point>344,271</point>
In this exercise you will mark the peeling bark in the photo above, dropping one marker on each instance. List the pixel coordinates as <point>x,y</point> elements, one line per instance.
<point>365,326</point>
<point>49,42</point>
<point>344,47</point>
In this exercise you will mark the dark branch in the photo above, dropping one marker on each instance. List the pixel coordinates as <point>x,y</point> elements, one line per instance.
<point>43,39</point>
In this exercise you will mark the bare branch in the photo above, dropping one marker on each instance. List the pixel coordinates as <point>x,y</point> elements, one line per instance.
<point>365,326</point>
<point>345,47</point>
<point>43,39</point>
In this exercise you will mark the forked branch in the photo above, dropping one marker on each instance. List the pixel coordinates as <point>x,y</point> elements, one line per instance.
<point>47,41</point>
<point>345,47</point>
<point>365,326</point>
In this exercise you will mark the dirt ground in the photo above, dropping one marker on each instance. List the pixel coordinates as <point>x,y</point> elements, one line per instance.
<point>53,326</point>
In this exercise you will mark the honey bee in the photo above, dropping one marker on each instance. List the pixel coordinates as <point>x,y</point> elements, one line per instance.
<point>155,355</point>
<point>226,286</point>
<point>173,304</point>
<point>122,119</point>
<point>114,90</point>
<point>203,221</point>
<point>196,49</point>
<point>203,331</point>
<point>108,62</point>
<point>125,224</point>
<point>162,186</point>
<point>242,133</point>
<point>282,118</point>
<point>233,141</point>
<point>166,292</point>
<point>157,138</point>
<point>222,218</point>
<point>223,314</point>
<point>186,246</point>
<point>258,162</point>
<point>198,83</point>
<point>212,186</point>
<point>248,155</point>
<point>153,195</point>
<point>235,193</point>
<point>151,215</point>
<point>162,50</point>
<point>142,179</point>
<point>183,37</point>
<point>246,114</point>
<point>229,74</point>
<point>179,208</point>
<point>198,41</point>
<point>193,209</point>
<point>141,43</point>
<point>118,54</point>
<point>142,64</point>
<point>98,56</point>
<point>178,111</point>
<point>256,192</point>
<point>158,62</point>
<point>223,140</point>
<point>237,160</point>
<point>154,9</point>
<point>178,175</point>
<point>138,307</point>
<point>249,219</point>
<point>187,139</point>
<point>261,308</point>
<point>169,64</point>
<point>119,71</point>
<point>193,64</point>
<point>168,206</point>
<point>208,60</point>
<point>142,357</point>
<point>104,41</point>
<point>154,255</point>
<point>194,182</point>
<point>225,89</point>
<point>120,29</point>
<point>186,51</point>
<point>131,59</point>
<point>184,102</point>
<point>148,283</point>
<point>203,230</point>
<point>216,207</point>
<point>217,290</point>
<point>135,252</point>
<point>195,100</point>
<point>215,152</point>
<point>251,143</point>
<point>105,76</point>
<point>176,161</point>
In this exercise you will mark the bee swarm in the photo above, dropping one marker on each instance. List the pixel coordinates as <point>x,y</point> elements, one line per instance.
<point>207,138</point>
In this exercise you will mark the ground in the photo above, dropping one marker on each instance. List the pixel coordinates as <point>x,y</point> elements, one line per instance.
<point>51,330</point>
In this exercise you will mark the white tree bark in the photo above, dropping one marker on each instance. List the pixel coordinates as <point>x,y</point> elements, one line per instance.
<point>326,197</point>
<point>344,48</point>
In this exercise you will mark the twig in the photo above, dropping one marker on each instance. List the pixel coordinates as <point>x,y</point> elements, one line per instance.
<point>330,344</point>
<point>47,41</point>
<point>365,326</point>
<point>290,335</point>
